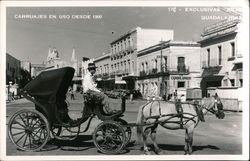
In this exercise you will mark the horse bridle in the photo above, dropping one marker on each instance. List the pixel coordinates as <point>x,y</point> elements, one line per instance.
<point>212,110</point>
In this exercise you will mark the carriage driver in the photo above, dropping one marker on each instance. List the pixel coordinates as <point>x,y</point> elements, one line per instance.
<point>89,87</point>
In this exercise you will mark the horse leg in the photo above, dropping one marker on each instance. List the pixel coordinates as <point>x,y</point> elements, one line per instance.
<point>144,136</point>
<point>189,140</point>
<point>153,138</point>
<point>190,135</point>
<point>186,142</point>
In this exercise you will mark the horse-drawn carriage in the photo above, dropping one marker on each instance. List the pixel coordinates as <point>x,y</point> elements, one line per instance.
<point>30,130</point>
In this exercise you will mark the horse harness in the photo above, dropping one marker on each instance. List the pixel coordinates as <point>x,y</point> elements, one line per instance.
<point>179,113</point>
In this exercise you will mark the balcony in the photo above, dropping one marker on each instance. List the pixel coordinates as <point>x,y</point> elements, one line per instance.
<point>166,71</point>
<point>143,73</point>
<point>179,70</point>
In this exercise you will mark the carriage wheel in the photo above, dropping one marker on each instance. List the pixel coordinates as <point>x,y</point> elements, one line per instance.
<point>28,130</point>
<point>109,137</point>
<point>128,131</point>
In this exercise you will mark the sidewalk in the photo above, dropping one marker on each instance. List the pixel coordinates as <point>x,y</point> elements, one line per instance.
<point>17,101</point>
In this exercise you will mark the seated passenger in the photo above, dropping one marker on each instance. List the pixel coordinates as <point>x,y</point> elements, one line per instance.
<point>89,87</point>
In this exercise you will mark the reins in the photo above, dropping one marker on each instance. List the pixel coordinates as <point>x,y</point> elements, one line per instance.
<point>187,119</point>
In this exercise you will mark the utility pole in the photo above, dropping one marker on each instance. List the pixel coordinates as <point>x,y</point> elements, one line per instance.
<point>161,70</point>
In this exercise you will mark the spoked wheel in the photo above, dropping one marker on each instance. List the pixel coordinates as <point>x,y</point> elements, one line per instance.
<point>28,130</point>
<point>109,137</point>
<point>128,131</point>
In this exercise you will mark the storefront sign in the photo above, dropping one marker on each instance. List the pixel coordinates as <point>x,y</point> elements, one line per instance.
<point>180,78</point>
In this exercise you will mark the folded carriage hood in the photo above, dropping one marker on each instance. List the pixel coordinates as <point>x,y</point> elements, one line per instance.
<point>51,85</point>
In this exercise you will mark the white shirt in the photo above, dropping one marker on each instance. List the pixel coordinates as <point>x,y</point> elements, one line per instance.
<point>88,83</point>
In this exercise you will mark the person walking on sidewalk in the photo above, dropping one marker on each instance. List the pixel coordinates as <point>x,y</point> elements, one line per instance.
<point>72,95</point>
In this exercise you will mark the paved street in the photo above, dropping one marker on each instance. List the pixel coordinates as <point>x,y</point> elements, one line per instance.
<point>211,137</point>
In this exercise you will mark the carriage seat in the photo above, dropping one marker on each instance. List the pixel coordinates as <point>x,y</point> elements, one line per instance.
<point>95,105</point>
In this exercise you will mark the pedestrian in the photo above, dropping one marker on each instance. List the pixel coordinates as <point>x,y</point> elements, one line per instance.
<point>175,95</point>
<point>131,95</point>
<point>183,99</point>
<point>72,95</point>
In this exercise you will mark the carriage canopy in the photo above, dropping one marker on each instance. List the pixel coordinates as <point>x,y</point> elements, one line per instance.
<point>51,85</point>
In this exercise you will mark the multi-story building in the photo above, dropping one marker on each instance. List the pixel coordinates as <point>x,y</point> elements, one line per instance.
<point>13,67</point>
<point>222,61</point>
<point>105,78</point>
<point>124,50</point>
<point>168,66</point>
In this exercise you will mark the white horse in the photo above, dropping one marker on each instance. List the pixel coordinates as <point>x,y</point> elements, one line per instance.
<point>165,113</point>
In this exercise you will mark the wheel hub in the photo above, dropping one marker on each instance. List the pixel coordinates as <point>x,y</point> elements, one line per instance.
<point>28,130</point>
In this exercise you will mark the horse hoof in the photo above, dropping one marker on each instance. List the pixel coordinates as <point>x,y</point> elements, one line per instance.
<point>185,153</point>
<point>160,153</point>
<point>147,153</point>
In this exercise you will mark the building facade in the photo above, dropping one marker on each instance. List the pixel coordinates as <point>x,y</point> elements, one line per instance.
<point>222,60</point>
<point>168,66</point>
<point>103,75</point>
<point>124,51</point>
<point>13,67</point>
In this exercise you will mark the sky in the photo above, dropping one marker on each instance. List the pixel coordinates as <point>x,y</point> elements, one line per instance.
<point>30,38</point>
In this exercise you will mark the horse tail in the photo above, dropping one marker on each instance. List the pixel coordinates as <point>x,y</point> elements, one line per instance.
<point>139,122</point>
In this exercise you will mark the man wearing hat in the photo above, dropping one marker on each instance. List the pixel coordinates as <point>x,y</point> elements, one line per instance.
<point>89,87</point>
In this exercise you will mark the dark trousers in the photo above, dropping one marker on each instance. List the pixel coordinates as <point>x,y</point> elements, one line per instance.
<point>101,98</point>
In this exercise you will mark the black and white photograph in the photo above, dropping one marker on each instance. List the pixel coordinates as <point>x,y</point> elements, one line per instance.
<point>124,80</point>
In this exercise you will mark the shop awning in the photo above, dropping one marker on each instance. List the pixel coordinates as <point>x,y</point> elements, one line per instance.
<point>210,76</point>
<point>120,82</point>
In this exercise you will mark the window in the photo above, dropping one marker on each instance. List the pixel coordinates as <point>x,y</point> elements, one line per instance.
<point>155,66</point>
<point>166,63</point>
<point>180,84</point>
<point>232,82</point>
<point>181,64</point>
<point>219,55</point>
<point>121,66</point>
<point>142,66</point>
<point>232,49</point>
<point>225,83</point>
<point>208,57</point>
<point>241,82</point>
<point>129,65</point>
